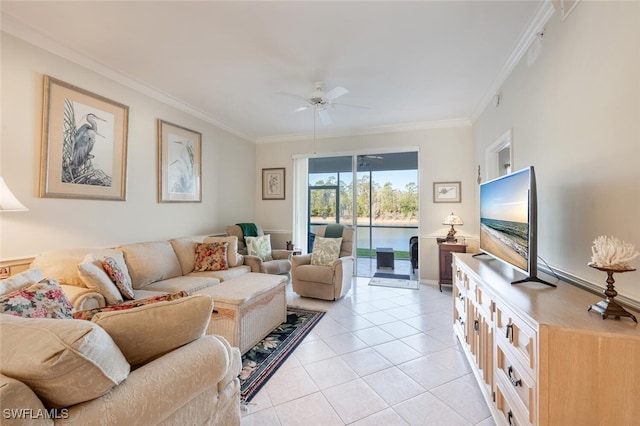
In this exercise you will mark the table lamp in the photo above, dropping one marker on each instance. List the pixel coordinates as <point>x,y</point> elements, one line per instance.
<point>452,220</point>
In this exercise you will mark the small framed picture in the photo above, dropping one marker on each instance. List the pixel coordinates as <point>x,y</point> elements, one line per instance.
<point>273,184</point>
<point>447,192</point>
<point>179,164</point>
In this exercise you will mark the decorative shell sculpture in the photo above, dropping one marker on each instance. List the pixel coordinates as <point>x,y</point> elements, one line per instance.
<point>611,253</point>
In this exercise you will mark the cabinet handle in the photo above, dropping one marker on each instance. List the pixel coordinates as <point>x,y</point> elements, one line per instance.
<point>460,321</point>
<point>475,325</point>
<point>461,297</point>
<point>509,334</point>
<point>514,382</point>
<point>510,418</point>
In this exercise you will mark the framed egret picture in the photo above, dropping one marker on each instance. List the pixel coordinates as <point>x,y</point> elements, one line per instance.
<point>179,163</point>
<point>84,144</point>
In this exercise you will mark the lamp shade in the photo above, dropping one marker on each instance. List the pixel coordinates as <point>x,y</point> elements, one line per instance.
<point>8,202</point>
<point>452,219</point>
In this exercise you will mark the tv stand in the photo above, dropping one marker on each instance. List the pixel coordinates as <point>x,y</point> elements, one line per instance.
<point>539,357</point>
<point>535,280</point>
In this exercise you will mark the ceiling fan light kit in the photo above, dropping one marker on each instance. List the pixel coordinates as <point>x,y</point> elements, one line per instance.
<point>320,100</point>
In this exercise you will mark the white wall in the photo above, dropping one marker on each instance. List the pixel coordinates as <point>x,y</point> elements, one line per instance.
<point>227,189</point>
<point>444,155</point>
<point>575,113</point>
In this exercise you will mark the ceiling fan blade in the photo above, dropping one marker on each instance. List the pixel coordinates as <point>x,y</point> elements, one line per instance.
<point>291,95</point>
<point>325,117</point>
<point>302,108</point>
<point>334,93</point>
<point>341,105</point>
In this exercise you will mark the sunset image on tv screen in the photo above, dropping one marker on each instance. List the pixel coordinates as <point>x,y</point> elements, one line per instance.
<point>504,219</point>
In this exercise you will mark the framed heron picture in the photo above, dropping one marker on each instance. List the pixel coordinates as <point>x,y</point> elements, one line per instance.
<point>84,144</point>
<point>179,163</point>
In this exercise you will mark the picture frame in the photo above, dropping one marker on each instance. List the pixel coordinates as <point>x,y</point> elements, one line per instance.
<point>179,164</point>
<point>273,183</point>
<point>84,144</point>
<point>447,192</point>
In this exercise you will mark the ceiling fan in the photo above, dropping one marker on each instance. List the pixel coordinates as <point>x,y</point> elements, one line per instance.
<point>366,160</point>
<point>320,100</point>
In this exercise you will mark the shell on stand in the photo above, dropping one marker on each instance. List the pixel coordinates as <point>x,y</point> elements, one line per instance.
<point>612,253</point>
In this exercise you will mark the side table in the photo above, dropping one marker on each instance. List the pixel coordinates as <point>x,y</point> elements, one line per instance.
<point>384,257</point>
<point>446,257</point>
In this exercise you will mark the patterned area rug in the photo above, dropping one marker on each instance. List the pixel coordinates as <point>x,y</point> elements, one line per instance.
<point>264,359</point>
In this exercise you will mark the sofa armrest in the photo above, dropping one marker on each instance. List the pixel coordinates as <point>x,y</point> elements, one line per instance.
<point>279,254</point>
<point>254,262</point>
<point>83,298</point>
<point>299,260</point>
<point>157,389</point>
<point>343,272</point>
<point>16,397</point>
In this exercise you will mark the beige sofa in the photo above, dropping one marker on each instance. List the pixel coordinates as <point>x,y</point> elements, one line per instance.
<point>248,305</point>
<point>150,364</point>
<point>155,267</point>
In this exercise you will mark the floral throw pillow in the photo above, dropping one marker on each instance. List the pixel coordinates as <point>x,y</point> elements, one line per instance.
<point>211,257</point>
<point>325,250</point>
<point>40,300</point>
<point>121,280</point>
<point>89,313</point>
<point>259,246</point>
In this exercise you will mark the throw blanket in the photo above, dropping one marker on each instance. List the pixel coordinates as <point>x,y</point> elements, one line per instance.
<point>333,231</point>
<point>248,229</point>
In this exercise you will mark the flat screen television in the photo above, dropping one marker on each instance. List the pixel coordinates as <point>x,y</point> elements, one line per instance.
<point>508,222</point>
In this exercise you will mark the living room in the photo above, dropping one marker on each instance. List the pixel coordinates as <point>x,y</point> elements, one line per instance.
<point>570,101</point>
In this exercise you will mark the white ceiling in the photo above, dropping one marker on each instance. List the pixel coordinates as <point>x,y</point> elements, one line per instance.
<point>415,64</point>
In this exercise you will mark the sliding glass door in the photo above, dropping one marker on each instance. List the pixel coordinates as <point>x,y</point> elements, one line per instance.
<point>382,204</point>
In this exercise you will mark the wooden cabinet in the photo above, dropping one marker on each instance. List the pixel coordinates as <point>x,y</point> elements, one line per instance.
<point>539,356</point>
<point>445,252</point>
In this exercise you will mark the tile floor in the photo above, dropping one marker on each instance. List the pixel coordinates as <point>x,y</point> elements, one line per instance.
<point>380,356</point>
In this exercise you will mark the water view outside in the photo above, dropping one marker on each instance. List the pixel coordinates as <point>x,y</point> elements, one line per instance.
<point>386,207</point>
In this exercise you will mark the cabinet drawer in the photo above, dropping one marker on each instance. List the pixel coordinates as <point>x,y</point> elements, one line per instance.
<point>485,302</point>
<point>507,407</point>
<point>520,384</point>
<point>519,336</point>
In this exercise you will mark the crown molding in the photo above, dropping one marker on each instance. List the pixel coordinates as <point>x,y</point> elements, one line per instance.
<point>19,30</point>
<point>394,128</point>
<point>542,16</point>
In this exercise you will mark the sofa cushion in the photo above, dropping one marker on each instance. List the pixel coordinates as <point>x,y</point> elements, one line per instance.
<point>222,275</point>
<point>95,278</point>
<point>40,300</point>
<point>189,284</point>
<point>16,282</point>
<point>150,262</point>
<point>89,313</point>
<point>259,246</point>
<point>17,396</point>
<point>325,250</point>
<point>118,276</point>
<point>211,257</point>
<point>62,264</point>
<point>64,361</point>
<point>147,332</point>
<point>184,248</point>
<point>233,257</point>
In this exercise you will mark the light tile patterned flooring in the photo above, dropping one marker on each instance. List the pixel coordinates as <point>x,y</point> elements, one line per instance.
<point>380,356</point>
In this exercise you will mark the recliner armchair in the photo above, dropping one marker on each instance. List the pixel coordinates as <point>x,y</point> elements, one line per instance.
<point>280,265</point>
<point>325,282</point>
